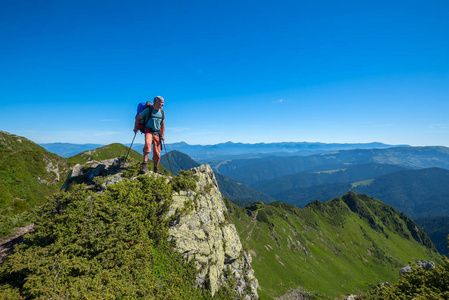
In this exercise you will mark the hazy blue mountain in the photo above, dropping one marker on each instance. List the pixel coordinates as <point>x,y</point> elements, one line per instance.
<point>224,151</point>
<point>239,193</point>
<point>418,193</point>
<point>302,196</point>
<point>437,228</point>
<point>349,173</point>
<point>229,150</point>
<point>252,170</point>
<point>67,150</point>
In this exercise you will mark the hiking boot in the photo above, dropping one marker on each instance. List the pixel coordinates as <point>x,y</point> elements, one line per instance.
<point>156,169</point>
<point>144,168</point>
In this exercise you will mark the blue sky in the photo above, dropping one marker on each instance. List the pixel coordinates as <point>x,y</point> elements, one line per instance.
<point>241,71</point>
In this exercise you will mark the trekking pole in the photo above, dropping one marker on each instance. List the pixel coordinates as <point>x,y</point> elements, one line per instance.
<point>130,148</point>
<point>168,158</point>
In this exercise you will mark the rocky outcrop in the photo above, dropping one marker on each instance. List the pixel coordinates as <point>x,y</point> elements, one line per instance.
<point>202,229</point>
<point>426,265</point>
<point>109,169</point>
<point>204,233</point>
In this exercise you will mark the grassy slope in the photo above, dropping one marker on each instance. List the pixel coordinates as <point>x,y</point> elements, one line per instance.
<point>28,174</point>
<point>327,247</point>
<point>105,152</point>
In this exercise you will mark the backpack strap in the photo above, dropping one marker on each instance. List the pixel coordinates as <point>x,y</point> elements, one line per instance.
<point>150,115</point>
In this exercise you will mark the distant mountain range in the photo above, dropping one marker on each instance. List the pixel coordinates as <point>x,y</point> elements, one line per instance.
<point>344,174</point>
<point>228,150</point>
<point>418,193</point>
<point>239,193</point>
<point>67,150</point>
<point>406,178</point>
<point>250,171</point>
<point>232,150</point>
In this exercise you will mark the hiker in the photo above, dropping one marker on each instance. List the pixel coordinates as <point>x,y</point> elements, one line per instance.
<point>154,132</point>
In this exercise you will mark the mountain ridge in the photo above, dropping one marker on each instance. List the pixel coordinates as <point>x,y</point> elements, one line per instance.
<point>341,246</point>
<point>251,170</point>
<point>228,149</point>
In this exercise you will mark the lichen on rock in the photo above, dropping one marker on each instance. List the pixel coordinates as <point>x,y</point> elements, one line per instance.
<point>203,233</point>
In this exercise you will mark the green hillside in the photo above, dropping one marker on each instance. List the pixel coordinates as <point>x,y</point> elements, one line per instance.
<point>105,152</point>
<point>337,247</point>
<point>28,174</point>
<point>13,142</point>
<point>178,161</point>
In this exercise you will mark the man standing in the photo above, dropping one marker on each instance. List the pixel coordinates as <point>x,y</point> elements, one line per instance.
<point>154,132</point>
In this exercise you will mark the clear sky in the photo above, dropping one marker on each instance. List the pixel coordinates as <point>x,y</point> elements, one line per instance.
<point>242,71</point>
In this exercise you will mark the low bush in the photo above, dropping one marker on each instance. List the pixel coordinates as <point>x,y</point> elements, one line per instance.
<point>102,246</point>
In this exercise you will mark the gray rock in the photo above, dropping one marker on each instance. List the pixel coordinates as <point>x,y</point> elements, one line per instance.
<point>87,172</point>
<point>426,265</point>
<point>383,284</point>
<point>205,235</point>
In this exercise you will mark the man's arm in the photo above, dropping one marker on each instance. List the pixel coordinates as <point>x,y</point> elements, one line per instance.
<point>136,124</point>
<point>163,130</point>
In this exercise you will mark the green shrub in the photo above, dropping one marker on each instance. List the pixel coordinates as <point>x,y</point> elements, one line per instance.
<point>106,246</point>
<point>262,217</point>
<point>419,284</point>
<point>185,181</point>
